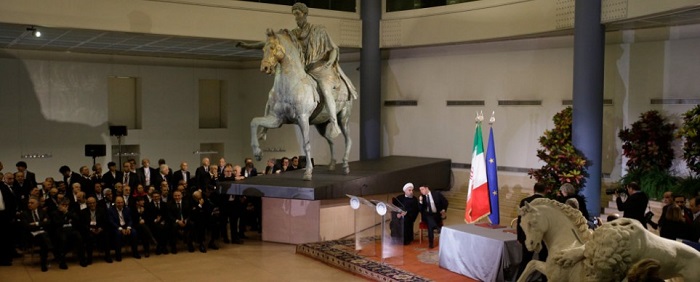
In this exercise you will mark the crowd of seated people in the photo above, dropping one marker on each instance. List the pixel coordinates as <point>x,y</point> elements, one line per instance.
<point>148,209</point>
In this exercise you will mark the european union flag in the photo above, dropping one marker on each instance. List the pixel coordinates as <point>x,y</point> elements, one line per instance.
<point>492,176</point>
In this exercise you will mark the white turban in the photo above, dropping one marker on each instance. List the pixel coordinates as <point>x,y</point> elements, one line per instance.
<point>407,186</point>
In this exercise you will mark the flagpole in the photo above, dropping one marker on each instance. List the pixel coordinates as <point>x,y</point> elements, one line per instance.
<point>492,175</point>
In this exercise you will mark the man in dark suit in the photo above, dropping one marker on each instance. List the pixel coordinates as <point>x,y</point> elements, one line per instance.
<point>69,177</point>
<point>8,211</point>
<point>540,189</point>
<point>36,224</point>
<point>179,211</point>
<point>21,188</point>
<point>636,204</point>
<point>129,178</point>
<point>146,173</point>
<point>142,215</point>
<point>283,166</point>
<point>695,209</point>
<point>67,232</point>
<point>433,207</point>
<point>122,227</point>
<point>170,170</point>
<point>182,174</point>
<point>202,176</point>
<point>159,222</point>
<point>87,185</point>
<point>95,226</point>
<point>162,175</point>
<point>112,176</point>
<point>249,170</point>
<point>28,175</point>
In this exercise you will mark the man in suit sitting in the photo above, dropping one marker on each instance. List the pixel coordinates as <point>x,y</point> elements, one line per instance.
<point>122,227</point>
<point>179,214</point>
<point>67,232</point>
<point>433,207</point>
<point>158,222</point>
<point>95,226</point>
<point>36,223</point>
<point>540,189</point>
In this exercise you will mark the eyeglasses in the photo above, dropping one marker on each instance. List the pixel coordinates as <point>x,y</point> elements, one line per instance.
<point>680,202</point>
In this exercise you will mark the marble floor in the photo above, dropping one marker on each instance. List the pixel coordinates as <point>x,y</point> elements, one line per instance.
<point>253,261</point>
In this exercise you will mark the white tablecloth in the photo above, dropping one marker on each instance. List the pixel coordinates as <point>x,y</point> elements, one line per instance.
<point>478,252</point>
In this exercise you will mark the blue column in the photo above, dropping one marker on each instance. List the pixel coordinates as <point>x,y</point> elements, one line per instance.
<point>370,82</point>
<point>589,47</point>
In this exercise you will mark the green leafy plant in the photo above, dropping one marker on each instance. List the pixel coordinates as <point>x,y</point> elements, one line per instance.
<point>688,186</point>
<point>653,182</point>
<point>689,132</point>
<point>647,145</point>
<point>563,163</point>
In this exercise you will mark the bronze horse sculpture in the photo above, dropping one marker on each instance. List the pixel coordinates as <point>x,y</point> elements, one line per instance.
<point>294,99</point>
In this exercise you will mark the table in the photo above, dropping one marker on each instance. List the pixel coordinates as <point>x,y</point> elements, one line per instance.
<point>478,252</point>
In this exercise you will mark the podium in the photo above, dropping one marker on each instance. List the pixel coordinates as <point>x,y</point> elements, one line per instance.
<point>392,232</point>
<point>366,226</point>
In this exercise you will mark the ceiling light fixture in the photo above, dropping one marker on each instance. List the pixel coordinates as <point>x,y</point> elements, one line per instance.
<point>34,31</point>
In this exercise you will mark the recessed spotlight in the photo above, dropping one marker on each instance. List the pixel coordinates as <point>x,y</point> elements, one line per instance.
<point>34,31</point>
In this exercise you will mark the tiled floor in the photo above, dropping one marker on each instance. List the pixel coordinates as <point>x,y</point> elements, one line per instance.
<point>253,261</point>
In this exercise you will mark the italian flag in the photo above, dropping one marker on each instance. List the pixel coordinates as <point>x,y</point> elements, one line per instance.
<point>478,205</point>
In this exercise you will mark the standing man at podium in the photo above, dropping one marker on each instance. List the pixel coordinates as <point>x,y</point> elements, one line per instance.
<point>433,207</point>
<point>409,204</point>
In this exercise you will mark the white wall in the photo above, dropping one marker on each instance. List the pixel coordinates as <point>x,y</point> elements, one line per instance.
<point>638,67</point>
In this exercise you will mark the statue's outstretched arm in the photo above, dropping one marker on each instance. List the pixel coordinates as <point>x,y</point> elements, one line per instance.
<point>256,45</point>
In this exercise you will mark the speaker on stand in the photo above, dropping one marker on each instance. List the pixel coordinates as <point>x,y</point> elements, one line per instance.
<point>95,151</point>
<point>118,131</point>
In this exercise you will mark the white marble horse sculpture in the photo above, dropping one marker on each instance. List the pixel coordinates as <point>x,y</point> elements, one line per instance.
<point>560,227</point>
<point>294,99</point>
<point>577,254</point>
<point>617,245</point>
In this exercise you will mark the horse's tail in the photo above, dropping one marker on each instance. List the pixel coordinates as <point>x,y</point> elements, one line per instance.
<point>609,253</point>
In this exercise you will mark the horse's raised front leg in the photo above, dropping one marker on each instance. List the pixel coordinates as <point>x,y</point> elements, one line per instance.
<point>303,123</point>
<point>345,129</point>
<point>532,266</point>
<point>265,122</point>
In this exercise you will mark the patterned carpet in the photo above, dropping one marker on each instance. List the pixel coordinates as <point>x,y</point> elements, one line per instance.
<point>341,254</point>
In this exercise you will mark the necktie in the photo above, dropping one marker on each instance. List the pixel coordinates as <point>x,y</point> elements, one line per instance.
<point>157,205</point>
<point>427,198</point>
<point>36,216</point>
<point>179,210</point>
<point>431,205</point>
<point>126,178</point>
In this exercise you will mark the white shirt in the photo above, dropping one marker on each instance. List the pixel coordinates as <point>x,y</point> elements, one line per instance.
<point>147,174</point>
<point>2,202</point>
